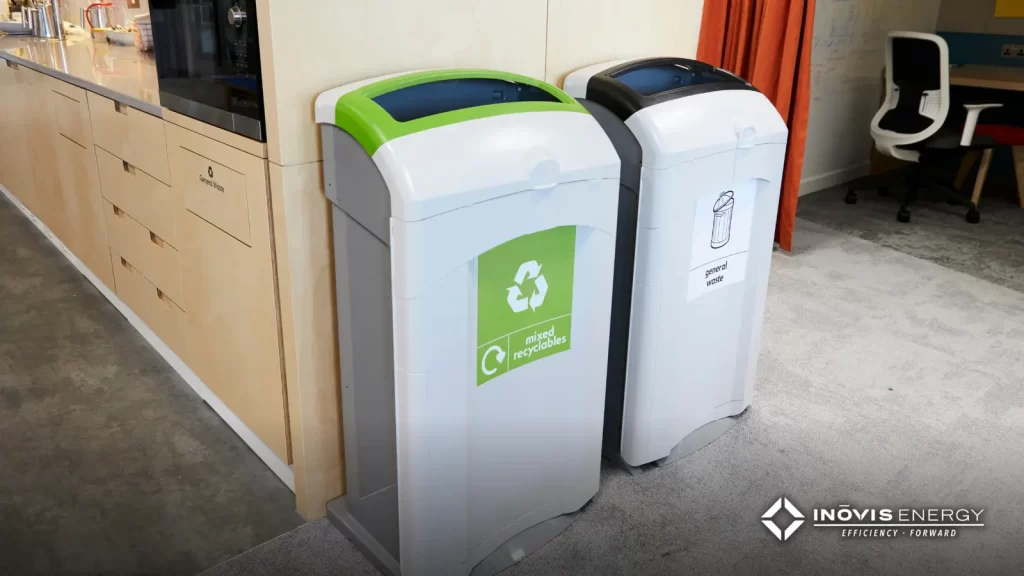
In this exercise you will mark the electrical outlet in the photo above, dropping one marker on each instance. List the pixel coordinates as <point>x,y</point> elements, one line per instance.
<point>1013,51</point>
<point>133,4</point>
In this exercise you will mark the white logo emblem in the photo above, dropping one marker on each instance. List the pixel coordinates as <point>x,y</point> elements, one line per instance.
<point>798,518</point>
<point>516,300</point>
<point>499,355</point>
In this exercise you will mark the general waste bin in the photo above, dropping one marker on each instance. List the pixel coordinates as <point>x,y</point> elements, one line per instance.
<point>474,231</point>
<point>707,151</point>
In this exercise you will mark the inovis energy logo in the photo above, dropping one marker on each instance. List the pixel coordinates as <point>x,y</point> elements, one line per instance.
<point>874,522</point>
<point>524,301</point>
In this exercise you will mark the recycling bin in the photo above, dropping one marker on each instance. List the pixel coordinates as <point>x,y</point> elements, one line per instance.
<point>708,150</point>
<point>474,217</point>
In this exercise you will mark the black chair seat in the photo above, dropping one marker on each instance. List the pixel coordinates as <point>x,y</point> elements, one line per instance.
<point>904,121</point>
<point>950,140</point>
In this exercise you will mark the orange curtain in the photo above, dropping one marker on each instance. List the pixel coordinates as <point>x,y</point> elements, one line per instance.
<point>768,42</point>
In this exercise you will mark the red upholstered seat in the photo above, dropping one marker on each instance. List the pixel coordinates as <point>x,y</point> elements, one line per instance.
<point>1003,135</point>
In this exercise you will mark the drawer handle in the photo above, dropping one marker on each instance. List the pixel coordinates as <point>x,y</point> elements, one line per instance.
<point>128,167</point>
<point>160,294</point>
<point>117,211</point>
<point>156,239</point>
<point>121,108</point>
<point>11,65</point>
<point>127,266</point>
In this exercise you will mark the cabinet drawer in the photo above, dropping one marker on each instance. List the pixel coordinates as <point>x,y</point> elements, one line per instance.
<point>162,315</point>
<point>215,193</point>
<point>223,185</point>
<point>149,201</point>
<point>131,135</point>
<point>150,254</point>
<point>72,117</point>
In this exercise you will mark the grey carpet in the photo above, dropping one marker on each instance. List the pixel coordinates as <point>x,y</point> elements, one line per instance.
<point>109,463</point>
<point>993,249</point>
<point>884,380</point>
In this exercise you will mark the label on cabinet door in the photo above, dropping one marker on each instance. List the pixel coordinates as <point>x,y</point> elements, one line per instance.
<point>524,301</point>
<point>217,194</point>
<point>722,220</point>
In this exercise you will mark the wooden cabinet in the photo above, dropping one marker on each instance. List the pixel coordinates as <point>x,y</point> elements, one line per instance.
<point>82,207</point>
<point>229,285</point>
<point>71,112</point>
<point>9,112</point>
<point>176,221</point>
<point>15,154</point>
<point>150,303</point>
<point>215,193</point>
<point>157,260</point>
<point>146,199</point>
<point>130,134</point>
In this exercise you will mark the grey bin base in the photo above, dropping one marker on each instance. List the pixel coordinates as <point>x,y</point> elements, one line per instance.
<point>696,440</point>
<point>513,550</point>
<point>525,543</point>
<point>342,519</point>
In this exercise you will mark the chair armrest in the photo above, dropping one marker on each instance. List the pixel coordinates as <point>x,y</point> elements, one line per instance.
<point>973,111</point>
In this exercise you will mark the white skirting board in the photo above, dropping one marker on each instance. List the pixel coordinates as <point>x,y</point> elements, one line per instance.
<point>278,466</point>
<point>834,178</point>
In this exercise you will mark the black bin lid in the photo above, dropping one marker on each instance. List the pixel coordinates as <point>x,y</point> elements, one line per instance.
<point>628,88</point>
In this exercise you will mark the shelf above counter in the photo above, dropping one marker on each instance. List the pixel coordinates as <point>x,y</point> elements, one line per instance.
<point>121,73</point>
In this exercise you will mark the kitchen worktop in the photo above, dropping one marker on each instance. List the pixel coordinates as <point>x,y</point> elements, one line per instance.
<point>121,73</point>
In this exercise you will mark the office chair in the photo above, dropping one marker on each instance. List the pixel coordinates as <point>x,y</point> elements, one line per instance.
<point>910,124</point>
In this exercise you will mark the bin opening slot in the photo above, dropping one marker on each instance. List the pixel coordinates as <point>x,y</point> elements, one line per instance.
<point>665,77</point>
<point>428,99</point>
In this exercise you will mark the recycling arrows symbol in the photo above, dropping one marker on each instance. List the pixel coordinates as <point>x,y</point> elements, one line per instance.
<point>499,355</point>
<point>516,300</point>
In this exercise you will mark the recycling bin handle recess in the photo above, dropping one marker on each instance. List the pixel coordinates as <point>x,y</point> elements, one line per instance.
<point>659,62</point>
<point>371,125</point>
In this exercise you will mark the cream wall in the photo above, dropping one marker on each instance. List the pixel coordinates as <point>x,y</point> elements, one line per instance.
<point>976,16</point>
<point>585,32</point>
<point>350,40</point>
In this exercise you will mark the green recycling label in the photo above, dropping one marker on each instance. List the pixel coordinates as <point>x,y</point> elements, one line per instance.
<point>524,301</point>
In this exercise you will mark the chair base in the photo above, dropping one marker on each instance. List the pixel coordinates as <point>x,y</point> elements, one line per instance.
<point>928,174</point>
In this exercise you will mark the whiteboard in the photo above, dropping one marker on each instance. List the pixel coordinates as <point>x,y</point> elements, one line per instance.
<point>847,61</point>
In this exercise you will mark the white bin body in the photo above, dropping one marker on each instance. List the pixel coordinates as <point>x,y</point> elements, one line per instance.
<point>481,462</point>
<point>709,195</point>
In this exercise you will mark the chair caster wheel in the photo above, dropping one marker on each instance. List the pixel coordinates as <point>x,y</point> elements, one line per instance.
<point>973,216</point>
<point>903,215</point>
<point>851,197</point>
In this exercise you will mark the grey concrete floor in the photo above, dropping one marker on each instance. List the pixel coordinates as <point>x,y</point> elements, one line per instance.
<point>110,464</point>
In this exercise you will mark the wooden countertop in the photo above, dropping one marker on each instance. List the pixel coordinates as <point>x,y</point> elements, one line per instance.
<point>998,77</point>
<point>121,73</point>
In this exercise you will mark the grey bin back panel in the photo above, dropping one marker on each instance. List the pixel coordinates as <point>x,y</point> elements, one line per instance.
<point>630,154</point>
<point>362,207</point>
<point>365,196</point>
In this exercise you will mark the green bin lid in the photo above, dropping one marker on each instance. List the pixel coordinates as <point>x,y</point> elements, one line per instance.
<point>397,106</point>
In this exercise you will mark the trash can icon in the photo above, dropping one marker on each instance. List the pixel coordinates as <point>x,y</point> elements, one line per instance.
<point>722,228</point>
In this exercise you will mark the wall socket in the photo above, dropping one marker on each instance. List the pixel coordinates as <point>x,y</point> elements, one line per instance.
<point>1013,50</point>
<point>133,4</point>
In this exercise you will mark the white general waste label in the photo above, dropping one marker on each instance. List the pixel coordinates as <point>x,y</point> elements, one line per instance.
<point>721,238</point>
